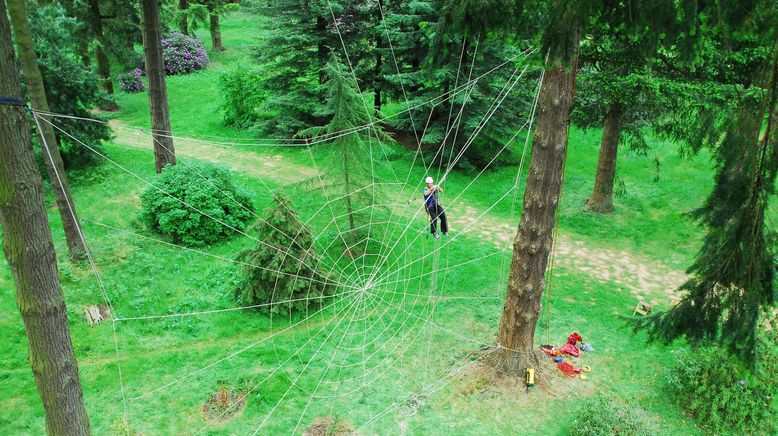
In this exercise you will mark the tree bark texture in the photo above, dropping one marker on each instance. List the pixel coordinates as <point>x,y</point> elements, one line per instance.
<point>322,50</point>
<point>602,196</point>
<point>216,33</point>
<point>164,153</point>
<point>103,63</point>
<point>29,250</point>
<point>52,159</point>
<point>379,45</point>
<point>347,182</point>
<point>183,22</point>
<point>532,243</point>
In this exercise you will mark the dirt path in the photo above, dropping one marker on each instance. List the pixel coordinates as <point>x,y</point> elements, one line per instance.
<point>275,167</point>
<point>640,275</point>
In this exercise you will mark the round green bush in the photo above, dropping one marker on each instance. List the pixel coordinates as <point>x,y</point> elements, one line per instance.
<point>196,204</point>
<point>713,387</point>
<point>601,416</point>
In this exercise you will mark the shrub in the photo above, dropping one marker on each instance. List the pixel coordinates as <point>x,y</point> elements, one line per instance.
<point>71,88</point>
<point>713,388</point>
<point>601,416</point>
<point>283,267</point>
<point>131,82</point>
<point>182,54</point>
<point>196,185</point>
<point>241,93</point>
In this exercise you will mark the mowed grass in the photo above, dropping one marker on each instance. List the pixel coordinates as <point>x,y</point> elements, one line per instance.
<point>373,361</point>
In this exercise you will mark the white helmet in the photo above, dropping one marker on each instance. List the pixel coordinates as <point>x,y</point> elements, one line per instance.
<point>430,180</point>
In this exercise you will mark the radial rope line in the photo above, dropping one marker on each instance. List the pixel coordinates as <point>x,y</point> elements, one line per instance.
<point>95,271</point>
<point>167,193</point>
<point>486,119</point>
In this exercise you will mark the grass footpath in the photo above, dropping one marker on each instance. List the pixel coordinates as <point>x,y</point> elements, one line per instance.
<point>370,361</point>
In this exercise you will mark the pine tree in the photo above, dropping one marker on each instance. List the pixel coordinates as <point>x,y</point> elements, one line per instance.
<point>560,25</point>
<point>51,155</point>
<point>435,59</point>
<point>164,153</point>
<point>295,54</point>
<point>733,277</point>
<point>29,250</point>
<point>283,272</point>
<point>215,9</point>
<point>620,92</point>
<point>348,174</point>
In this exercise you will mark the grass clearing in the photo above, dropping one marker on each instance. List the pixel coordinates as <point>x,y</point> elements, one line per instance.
<point>369,360</point>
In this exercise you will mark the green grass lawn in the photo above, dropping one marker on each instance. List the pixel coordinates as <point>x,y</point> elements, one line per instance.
<point>376,361</point>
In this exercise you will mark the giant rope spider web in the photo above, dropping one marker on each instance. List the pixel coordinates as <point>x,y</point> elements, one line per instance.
<point>385,301</point>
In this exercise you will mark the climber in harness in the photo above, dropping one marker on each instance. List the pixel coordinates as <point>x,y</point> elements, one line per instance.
<point>433,207</point>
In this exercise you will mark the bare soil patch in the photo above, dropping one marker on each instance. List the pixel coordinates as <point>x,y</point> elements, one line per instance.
<point>223,404</point>
<point>330,426</point>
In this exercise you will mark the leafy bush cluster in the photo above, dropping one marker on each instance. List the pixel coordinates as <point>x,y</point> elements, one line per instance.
<point>132,81</point>
<point>713,388</point>
<point>208,189</point>
<point>241,98</point>
<point>601,416</point>
<point>281,272</point>
<point>182,54</point>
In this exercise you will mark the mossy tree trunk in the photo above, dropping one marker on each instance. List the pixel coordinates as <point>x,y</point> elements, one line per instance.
<point>52,158</point>
<point>532,243</point>
<point>216,33</point>
<point>183,22</point>
<point>164,153</point>
<point>103,63</point>
<point>602,196</point>
<point>379,46</point>
<point>29,250</point>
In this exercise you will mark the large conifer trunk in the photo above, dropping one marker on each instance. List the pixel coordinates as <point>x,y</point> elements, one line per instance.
<point>183,22</point>
<point>103,63</point>
<point>29,250</point>
<point>379,45</point>
<point>216,32</point>
<point>532,242</point>
<point>164,153</point>
<point>53,160</point>
<point>602,194</point>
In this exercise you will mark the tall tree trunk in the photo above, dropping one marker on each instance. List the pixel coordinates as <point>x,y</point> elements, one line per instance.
<point>349,206</point>
<point>379,46</point>
<point>216,33</point>
<point>83,52</point>
<point>29,250</point>
<point>164,153</point>
<point>322,51</point>
<point>183,22</point>
<point>52,159</point>
<point>103,63</point>
<point>533,239</point>
<point>602,196</point>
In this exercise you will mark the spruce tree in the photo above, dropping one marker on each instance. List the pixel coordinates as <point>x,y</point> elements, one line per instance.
<point>29,250</point>
<point>733,276</point>
<point>620,92</point>
<point>561,25</point>
<point>162,141</point>
<point>347,166</point>
<point>435,59</point>
<point>294,56</point>
<point>281,273</point>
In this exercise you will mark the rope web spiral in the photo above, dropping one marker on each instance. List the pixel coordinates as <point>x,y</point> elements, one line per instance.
<point>346,348</point>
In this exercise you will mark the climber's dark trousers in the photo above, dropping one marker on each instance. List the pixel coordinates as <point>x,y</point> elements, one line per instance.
<point>436,212</point>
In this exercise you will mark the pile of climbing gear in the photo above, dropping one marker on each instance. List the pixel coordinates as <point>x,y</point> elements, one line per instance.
<point>569,350</point>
